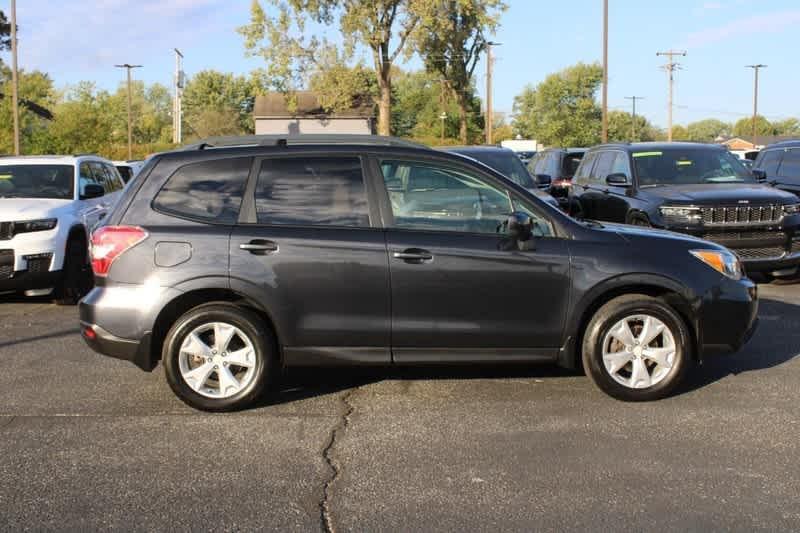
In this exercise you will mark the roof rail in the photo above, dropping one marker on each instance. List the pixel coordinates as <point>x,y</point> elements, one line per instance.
<point>285,140</point>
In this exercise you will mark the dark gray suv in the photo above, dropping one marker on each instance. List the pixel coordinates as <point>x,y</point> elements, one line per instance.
<point>234,258</point>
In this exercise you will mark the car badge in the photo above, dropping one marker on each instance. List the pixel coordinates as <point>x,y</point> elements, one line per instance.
<point>744,201</point>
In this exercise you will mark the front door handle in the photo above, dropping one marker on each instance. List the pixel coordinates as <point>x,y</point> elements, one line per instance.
<point>259,247</point>
<point>414,255</point>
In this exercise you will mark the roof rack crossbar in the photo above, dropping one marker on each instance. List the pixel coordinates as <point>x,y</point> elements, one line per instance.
<point>286,140</point>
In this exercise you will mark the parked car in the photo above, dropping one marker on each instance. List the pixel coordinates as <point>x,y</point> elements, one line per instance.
<point>507,163</point>
<point>779,164</point>
<point>557,165</point>
<point>48,204</point>
<point>525,157</point>
<point>128,169</point>
<point>235,258</point>
<point>699,189</point>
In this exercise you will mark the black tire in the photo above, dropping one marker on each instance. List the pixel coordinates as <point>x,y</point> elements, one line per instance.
<point>250,324</point>
<point>612,313</point>
<point>77,279</point>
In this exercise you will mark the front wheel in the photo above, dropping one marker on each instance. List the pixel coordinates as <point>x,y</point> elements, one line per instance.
<point>637,348</point>
<point>218,357</point>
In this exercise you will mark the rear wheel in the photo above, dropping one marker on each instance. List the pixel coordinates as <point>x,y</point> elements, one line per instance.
<point>636,348</point>
<point>76,280</point>
<point>218,357</point>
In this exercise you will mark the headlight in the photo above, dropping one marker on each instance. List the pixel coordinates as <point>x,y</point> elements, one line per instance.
<point>29,226</point>
<point>723,262</point>
<point>678,214</point>
<point>791,209</point>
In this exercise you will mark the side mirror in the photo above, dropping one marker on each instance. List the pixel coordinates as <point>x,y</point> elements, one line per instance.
<point>92,190</point>
<point>760,175</point>
<point>543,181</point>
<point>519,232</point>
<point>618,180</point>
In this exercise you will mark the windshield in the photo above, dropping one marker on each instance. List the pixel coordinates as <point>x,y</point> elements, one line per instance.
<point>507,164</point>
<point>37,181</point>
<point>689,166</point>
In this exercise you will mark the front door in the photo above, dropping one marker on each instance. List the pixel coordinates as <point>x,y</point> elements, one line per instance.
<point>458,291</point>
<point>307,249</point>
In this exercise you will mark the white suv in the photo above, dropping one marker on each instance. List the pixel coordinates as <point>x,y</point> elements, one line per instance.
<point>48,205</point>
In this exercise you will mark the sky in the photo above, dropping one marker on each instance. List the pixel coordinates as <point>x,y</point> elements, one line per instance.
<point>77,40</point>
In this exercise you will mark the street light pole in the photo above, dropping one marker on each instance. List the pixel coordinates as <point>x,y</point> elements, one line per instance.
<point>129,67</point>
<point>177,108</point>
<point>604,133</point>
<point>755,99</point>
<point>14,77</point>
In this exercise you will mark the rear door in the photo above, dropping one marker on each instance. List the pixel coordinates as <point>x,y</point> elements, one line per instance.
<point>308,248</point>
<point>458,292</point>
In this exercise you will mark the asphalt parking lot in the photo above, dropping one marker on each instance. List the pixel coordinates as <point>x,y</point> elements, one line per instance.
<point>88,443</point>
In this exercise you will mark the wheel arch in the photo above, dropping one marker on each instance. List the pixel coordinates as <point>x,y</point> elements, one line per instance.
<point>670,291</point>
<point>191,299</point>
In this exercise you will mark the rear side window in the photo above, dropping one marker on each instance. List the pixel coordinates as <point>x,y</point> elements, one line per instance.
<point>790,166</point>
<point>209,191</point>
<point>312,191</point>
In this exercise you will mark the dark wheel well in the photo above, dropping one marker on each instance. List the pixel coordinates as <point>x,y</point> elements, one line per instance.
<point>633,216</point>
<point>77,232</point>
<point>189,300</point>
<point>671,298</point>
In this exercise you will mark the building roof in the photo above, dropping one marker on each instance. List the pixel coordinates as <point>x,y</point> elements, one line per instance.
<point>762,139</point>
<point>274,105</point>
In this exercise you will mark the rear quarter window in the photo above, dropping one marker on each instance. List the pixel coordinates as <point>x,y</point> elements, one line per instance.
<point>209,191</point>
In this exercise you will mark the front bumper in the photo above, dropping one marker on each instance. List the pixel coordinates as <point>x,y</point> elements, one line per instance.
<point>37,273</point>
<point>727,316</point>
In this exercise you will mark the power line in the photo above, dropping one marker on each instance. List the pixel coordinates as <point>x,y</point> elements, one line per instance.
<point>671,67</point>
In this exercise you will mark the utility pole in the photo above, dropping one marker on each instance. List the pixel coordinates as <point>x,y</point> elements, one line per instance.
<point>671,67</point>
<point>604,133</point>
<point>129,67</point>
<point>442,115</point>
<point>177,109</point>
<point>633,116</point>
<point>755,100</point>
<point>489,111</point>
<point>14,76</point>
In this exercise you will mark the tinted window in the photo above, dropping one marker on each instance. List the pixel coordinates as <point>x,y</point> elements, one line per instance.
<point>313,191</point>
<point>431,197</point>
<point>507,164</point>
<point>620,165</point>
<point>114,177</point>
<point>685,166</point>
<point>126,173</point>
<point>570,164</point>
<point>585,168</point>
<point>769,162</point>
<point>605,162</point>
<point>790,166</point>
<point>37,181</point>
<point>209,190</point>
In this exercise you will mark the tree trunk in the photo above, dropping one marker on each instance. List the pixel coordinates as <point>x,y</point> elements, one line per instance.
<point>462,118</point>
<point>385,107</point>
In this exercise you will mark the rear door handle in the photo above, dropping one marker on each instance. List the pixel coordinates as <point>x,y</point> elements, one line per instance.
<point>259,247</point>
<point>414,255</point>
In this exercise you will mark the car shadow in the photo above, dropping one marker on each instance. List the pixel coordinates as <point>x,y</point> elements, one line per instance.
<point>776,341</point>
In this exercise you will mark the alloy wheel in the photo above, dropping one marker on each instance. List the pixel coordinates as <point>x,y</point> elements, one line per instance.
<point>639,351</point>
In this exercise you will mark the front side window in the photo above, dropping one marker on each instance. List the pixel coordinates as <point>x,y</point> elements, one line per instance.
<point>585,168</point>
<point>770,161</point>
<point>605,162</point>
<point>209,191</point>
<point>688,166</point>
<point>37,181</point>
<point>312,191</point>
<point>426,196</point>
<point>790,166</point>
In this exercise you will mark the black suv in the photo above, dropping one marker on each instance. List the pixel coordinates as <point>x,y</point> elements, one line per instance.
<point>699,189</point>
<point>557,166</point>
<point>234,258</point>
<point>779,164</point>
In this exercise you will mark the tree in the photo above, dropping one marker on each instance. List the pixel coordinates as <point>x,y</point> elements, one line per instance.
<point>452,39</point>
<point>339,86</point>
<point>744,127</point>
<point>561,110</point>
<point>620,127</point>
<point>707,130</point>
<point>789,126</point>
<point>35,88</point>
<point>292,56</point>
<point>5,32</point>
<point>209,94</point>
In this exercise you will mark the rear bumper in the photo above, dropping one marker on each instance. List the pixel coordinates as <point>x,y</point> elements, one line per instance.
<point>103,342</point>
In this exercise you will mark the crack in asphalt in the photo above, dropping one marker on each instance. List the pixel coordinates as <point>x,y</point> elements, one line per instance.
<point>10,421</point>
<point>335,467</point>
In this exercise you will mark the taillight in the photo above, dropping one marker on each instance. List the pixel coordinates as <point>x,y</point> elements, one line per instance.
<point>109,242</point>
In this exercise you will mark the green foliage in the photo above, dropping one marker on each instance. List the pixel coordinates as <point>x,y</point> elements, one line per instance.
<point>36,87</point>
<point>789,126</point>
<point>340,87</point>
<point>744,127</point>
<point>561,110</point>
<point>707,130</point>
<point>452,39</point>
<point>5,32</point>
<point>218,103</point>
<point>620,128</point>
